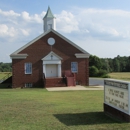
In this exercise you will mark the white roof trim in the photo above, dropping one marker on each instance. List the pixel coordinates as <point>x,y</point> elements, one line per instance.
<point>18,56</point>
<point>52,53</point>
<point>43,34</point>
<point>81,55</point>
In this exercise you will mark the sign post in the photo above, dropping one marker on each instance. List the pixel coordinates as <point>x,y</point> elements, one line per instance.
<point>117,99</point>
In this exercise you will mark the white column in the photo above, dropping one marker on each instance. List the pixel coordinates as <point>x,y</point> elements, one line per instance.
<point>59,70</point>
<point>44,69</point>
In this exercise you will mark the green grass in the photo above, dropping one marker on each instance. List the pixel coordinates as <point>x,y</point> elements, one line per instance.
<point>3,74</point>
<point>38,109</point>
<point>120,75</point>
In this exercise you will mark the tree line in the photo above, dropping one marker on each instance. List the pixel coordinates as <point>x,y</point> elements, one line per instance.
<point>100,67</point>
<point>5,67</point>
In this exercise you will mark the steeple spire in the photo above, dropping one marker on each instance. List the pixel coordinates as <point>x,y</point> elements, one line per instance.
<point>49,20</point>
<point>49,14</point>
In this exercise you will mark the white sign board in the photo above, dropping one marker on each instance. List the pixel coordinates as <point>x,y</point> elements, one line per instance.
<point>116,94</point>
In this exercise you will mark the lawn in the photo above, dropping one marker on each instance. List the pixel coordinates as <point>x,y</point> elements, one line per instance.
<point>120,75</point>
<point>3,74</point>
<point>38,109</point>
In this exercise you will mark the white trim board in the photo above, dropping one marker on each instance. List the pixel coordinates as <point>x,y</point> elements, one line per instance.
<point>18,56</point>
<point>81,55</point>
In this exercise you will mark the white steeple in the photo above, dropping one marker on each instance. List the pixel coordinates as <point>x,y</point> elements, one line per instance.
<point>49,21</point>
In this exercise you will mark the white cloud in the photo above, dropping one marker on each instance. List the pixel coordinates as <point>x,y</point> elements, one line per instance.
<point>34,18</point>
<point>25,32</point>
<point>26,16</point>
<point>19,25</point>
<point>6,31</point>
<point>3,29</point>
<point>9,13</point>
<point>66,22</point>
<point>103,24</point>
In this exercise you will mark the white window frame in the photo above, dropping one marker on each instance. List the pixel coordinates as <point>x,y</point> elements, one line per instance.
<point>74,67</point>
<point>28,85</point>
<point>28,68</point>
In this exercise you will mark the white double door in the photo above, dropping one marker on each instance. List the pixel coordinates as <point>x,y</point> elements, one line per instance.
<point>51,70</point>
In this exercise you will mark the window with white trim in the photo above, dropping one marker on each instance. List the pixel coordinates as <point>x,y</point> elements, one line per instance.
<point>74,67</point>
<point>28,68</point>
<point>28,85</point>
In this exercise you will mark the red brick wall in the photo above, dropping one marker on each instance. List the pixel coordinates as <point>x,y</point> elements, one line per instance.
<point>40,49</point>
<point>19,77</point>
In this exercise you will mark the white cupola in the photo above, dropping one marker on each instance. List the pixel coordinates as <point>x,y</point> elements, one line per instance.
<point>49,21</point>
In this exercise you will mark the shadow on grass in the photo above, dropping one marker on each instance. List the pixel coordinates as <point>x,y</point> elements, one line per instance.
<point>6,86</point>
<point>90,118</point>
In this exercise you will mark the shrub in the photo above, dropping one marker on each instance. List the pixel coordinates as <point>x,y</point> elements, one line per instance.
<point>106,76</point>
<point>102,72</point>
<point>93,71</point>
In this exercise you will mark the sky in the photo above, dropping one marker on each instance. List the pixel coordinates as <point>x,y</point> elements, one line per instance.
<point>101,27</point>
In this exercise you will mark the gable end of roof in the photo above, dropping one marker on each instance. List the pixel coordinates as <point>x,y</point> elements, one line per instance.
<point>43,34</point>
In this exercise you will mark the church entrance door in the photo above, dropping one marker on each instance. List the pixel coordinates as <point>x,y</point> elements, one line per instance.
<point>51,70</point>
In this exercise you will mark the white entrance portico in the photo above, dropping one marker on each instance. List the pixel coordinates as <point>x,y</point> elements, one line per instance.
<point>52,65</point>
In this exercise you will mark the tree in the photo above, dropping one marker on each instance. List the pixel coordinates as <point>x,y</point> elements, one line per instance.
<point>5,67</point>
<point>116,65</point>
<point>95,61</point>
<point>102,73</point>
<point>128,64</point>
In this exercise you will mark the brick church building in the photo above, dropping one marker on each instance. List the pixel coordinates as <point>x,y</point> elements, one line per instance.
<point>50,60</point>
